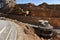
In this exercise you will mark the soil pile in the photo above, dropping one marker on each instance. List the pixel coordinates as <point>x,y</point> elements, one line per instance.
<point>26,33</point>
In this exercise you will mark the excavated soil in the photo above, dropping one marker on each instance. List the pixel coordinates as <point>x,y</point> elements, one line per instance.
<point>28,33</point>
<point>23,32</point>
<point>34,20</point>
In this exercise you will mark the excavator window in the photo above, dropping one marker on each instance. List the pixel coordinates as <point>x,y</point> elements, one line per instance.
<point>1,5</point>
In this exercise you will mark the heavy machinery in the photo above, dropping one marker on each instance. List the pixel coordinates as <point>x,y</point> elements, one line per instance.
<point>46,30</point>
<point>18,11</point>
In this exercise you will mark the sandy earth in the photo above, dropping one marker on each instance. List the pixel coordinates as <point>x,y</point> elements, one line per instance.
<point>23,32</point>
<point>26,33</point>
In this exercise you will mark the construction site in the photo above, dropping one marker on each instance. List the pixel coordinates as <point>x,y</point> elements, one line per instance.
<point>29,21</point>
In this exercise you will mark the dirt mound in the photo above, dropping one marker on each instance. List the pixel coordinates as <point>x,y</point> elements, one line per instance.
<point>26,33</point>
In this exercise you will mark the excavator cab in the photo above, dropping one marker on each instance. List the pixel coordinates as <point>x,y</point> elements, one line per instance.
<point>45,29</point>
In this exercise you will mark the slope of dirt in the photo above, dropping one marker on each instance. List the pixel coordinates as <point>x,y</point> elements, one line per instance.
<point>43,10</point>
<point>34,20</point>
<point>23,32</point>
<point>26,33</point>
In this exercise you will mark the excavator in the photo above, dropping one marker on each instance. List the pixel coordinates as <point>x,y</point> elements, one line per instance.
<point>18,11</point>
<point>47,31</point>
